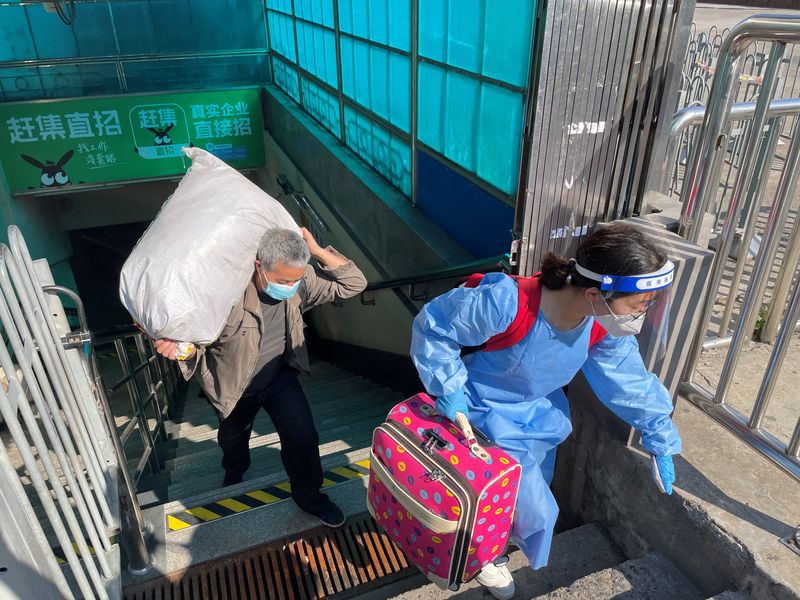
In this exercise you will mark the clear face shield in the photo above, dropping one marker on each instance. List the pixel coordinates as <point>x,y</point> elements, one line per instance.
<point>638,305</point>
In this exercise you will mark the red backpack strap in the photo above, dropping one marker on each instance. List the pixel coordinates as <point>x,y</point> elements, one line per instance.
<point>530,296</point>
<point>597,334</point>
<point>473,280</point>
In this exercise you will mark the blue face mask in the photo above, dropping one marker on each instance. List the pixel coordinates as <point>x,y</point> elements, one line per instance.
<point>278,291</point>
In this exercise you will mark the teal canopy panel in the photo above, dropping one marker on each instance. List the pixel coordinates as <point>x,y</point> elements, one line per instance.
<point>132,46</point>
<point>383,151</point>
<point>286,78</point>
<point>386,22</point>
<point>281,35</point>
<point>316,11</point>
<point>316,48</point>
<point>321,105</point>
<point>377,79</point>
<point>472,76</point>
<point>474,60</point>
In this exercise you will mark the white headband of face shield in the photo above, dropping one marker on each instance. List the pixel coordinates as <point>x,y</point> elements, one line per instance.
<point>647,282</point>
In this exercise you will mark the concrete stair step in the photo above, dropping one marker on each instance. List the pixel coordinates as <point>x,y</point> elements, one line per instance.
<point>313,383</point>
<point>253,482</point>
<point>651,577</point>
<point>265,463</point>
<point>322,367</point>
<point>575,554</point>
<point>205,415</point>
<point>324,414</point>
<point>174,551</point>
<point>197,460</point>
<point>186,464</point>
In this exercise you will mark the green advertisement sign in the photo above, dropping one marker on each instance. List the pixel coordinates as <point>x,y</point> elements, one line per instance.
<point>51,144</point>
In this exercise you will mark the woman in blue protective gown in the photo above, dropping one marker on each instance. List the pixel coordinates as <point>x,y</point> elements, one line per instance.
<point>619,278</point>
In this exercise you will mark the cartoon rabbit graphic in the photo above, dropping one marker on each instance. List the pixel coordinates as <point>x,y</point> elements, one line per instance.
<point>162,135</point>
<point>53,174</point>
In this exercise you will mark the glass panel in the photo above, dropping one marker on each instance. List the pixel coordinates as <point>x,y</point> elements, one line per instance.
<point>430,116</point>
<point>196,73</point>
<point>388,154</point>
<point>479,36</point>
<point>499,136</point>
<point>62,81</point>
<point>321,105</point>
<point>400,91</point>
<point>433,29</point>
<point>318,11</point>
<point>508,32</point>
<point>386,22</point>
<point>284,6</point>
<point>317,50</point>
<point>147,27</point>
<point>476,125</point>
<point>400,24</point>
<point>461,105</point>
<point>16,42</point>
<point>465,34</point>
<point>383,87</point>
<point>346,15</point>
<point>348,67</point>
<point>281,35</point>
<point>286,78</point>
<point>378,16</point>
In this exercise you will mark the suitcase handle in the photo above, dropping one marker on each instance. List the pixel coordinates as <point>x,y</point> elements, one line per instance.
<point>472,442</point>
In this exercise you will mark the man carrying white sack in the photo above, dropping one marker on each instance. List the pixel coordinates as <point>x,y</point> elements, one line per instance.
<point>256,360</point>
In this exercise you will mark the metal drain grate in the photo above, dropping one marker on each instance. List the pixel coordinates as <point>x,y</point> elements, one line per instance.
<point>315,564</point>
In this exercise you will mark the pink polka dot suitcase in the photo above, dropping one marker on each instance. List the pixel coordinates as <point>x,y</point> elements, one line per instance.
<point>446,499</point>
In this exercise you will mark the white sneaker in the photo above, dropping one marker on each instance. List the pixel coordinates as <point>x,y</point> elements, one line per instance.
<point>498,581</point>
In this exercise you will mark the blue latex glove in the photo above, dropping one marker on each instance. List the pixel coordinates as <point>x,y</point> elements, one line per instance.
<point>663,471</point>
<point>450,404</point>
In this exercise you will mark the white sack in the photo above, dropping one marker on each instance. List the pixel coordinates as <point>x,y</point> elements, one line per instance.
<point>194,261</point>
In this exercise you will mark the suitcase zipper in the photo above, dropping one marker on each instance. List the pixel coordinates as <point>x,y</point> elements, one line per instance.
<point>439,463</point>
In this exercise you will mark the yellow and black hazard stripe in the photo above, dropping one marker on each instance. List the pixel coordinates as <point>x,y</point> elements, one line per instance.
<point>205,513</point>
<point>61,558</point>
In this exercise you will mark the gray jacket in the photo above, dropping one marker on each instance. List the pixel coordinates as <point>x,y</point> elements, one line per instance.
<point>226,366</point>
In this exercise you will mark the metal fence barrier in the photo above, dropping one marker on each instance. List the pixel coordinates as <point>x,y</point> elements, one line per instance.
<point>697,74</point>
<point>777,112</point>
<point>54,405</point>
<point>697,195</point>
<point>149,385</point>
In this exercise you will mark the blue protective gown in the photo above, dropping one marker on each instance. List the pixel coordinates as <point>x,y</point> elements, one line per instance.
<point>515,396</point>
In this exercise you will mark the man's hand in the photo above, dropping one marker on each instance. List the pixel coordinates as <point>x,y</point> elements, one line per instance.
<point>327,259</point>
<point>166,348</point>
<point>174,350</point>
<point>313,246</point>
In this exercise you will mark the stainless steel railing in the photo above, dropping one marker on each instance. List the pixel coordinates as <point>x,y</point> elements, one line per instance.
<point>700,191</point>
<point>778,111</point>
<point>62,431</point>
<point>149,381</point>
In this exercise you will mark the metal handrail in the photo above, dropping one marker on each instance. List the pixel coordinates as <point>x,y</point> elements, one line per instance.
<point>699,190</point>
<point>496,263</point>
<point>702,180</point>
<point>476,266</point>
<point>740,111</point>
<point>743,111</point>
<point>132,525</point>
<point>64,423</point>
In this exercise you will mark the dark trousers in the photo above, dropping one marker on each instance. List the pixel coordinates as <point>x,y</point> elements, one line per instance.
<point>287,406</point>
